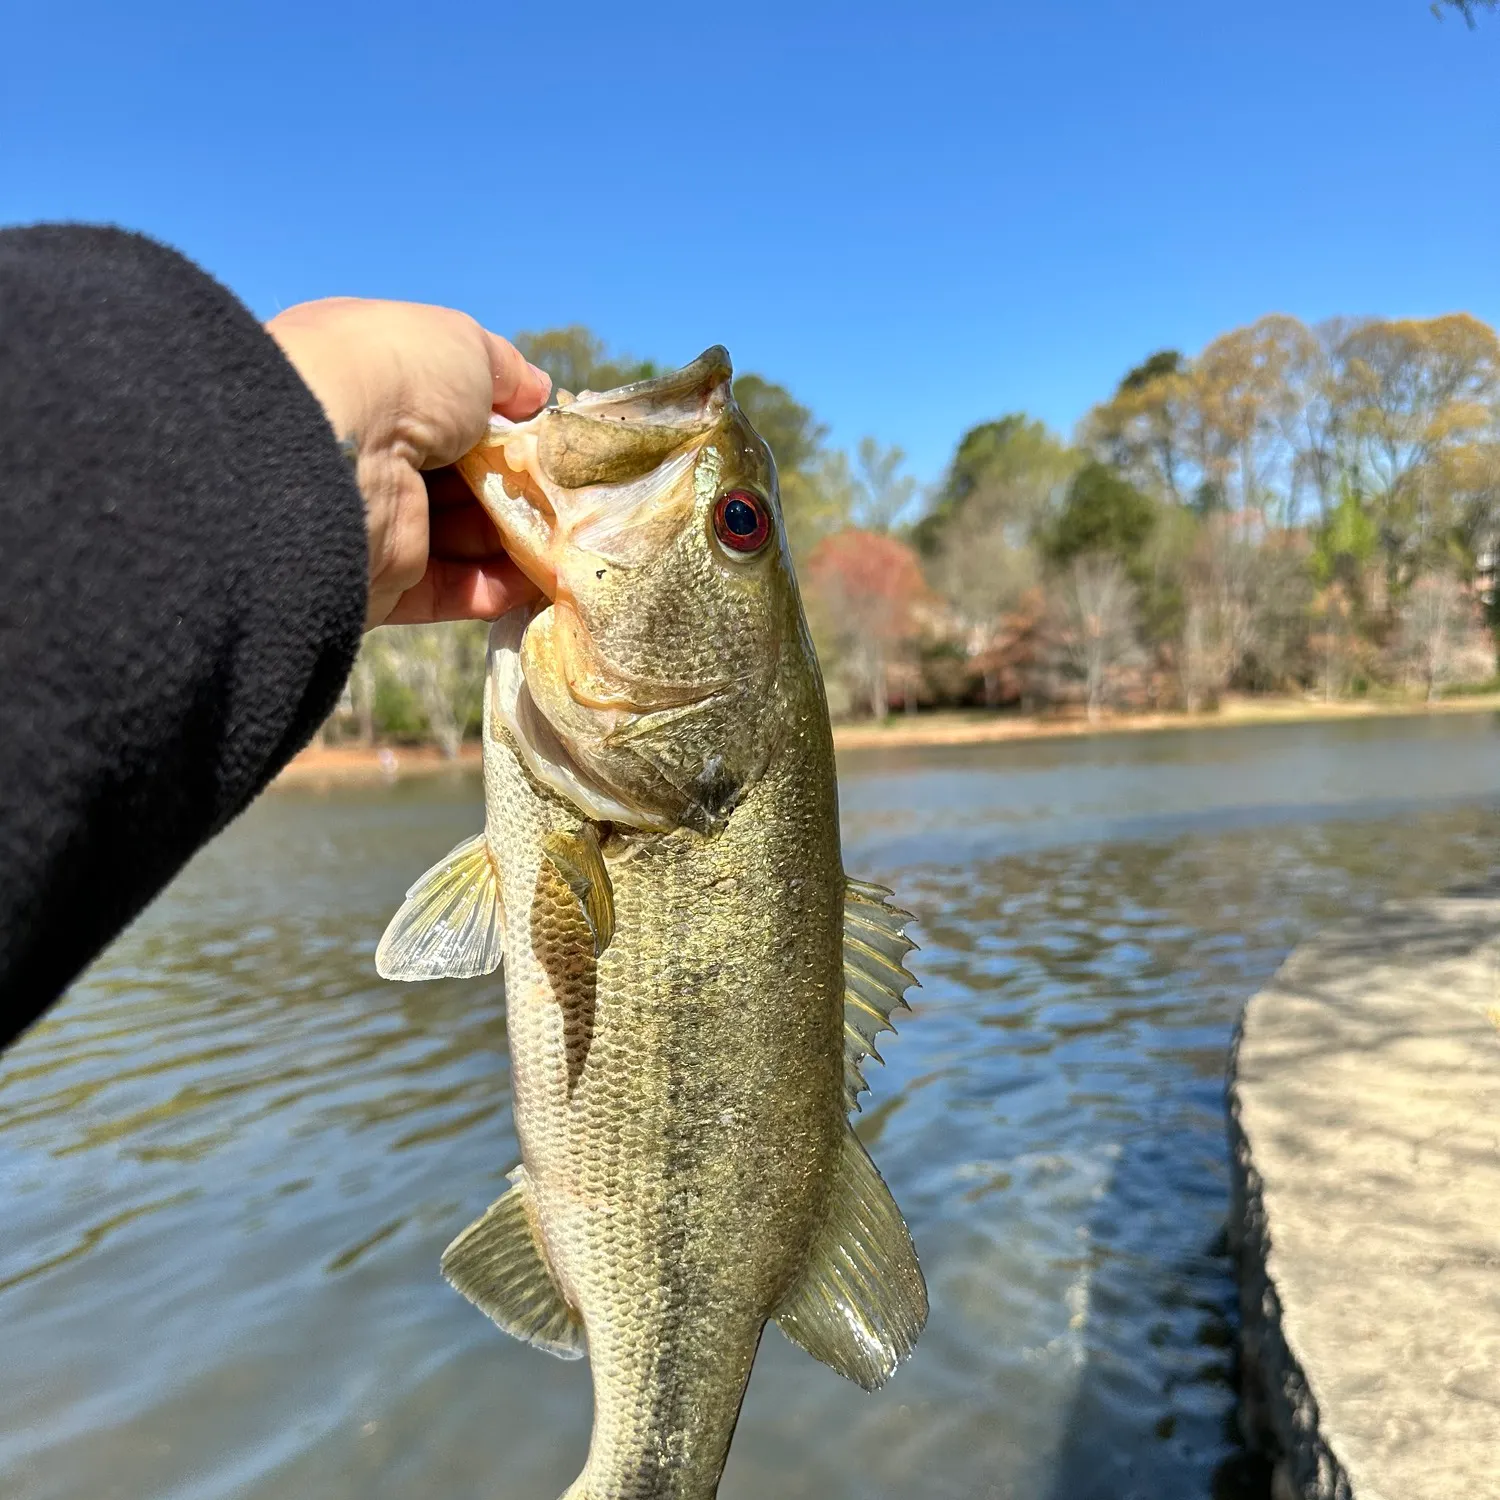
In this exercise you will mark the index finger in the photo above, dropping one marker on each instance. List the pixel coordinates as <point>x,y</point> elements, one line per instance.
<point>519,388</point>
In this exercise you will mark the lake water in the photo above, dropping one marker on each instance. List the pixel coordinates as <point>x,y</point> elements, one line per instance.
<point>230,1160</point>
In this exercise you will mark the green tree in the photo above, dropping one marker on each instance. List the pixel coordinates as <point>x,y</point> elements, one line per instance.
<point>1161,572</point>
<point>578,360</point>
<point>978,539</point>
<point>1346,544</point>
<point>817,488</point>
<point>1153,368</point>
<point>882,492</point>
<point>1466,8</point>
<point>1005,475</point>
<point>1421,397</point>
<point>794,434</point>
<point>1142,428</point>
<point>425,680</point>
<point>1104,514</point>
<point>1344,551</point>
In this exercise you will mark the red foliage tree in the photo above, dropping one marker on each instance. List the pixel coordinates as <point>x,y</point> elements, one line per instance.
<point>865,590</point>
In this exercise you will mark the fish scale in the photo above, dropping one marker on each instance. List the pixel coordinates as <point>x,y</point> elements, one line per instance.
<point>674,1198</point>
<point>691,985</point>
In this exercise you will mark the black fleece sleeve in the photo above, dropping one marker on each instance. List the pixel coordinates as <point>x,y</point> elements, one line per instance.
<point>182,584</point>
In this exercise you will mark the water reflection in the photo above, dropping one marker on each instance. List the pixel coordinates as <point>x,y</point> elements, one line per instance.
<point>230,1161</point>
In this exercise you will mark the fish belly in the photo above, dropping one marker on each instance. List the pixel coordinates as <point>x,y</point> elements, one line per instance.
<point>679,1106</point>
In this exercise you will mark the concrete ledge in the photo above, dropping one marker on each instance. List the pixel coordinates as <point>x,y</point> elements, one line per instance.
<point>1364,1122</point>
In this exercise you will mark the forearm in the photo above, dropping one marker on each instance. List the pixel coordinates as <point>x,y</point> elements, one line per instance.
<point>183,579</point>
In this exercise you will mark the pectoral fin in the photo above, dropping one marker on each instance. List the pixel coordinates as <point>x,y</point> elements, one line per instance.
<point>451,924</point>
<point>862,1300</point>
<point>499,1265</point>
<point>576,857</point>
<point>875,977</point>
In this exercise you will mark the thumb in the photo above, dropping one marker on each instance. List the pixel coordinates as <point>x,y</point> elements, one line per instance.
<point>520,389</point>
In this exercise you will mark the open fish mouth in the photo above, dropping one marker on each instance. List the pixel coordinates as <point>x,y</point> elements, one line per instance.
<point>606,478</point>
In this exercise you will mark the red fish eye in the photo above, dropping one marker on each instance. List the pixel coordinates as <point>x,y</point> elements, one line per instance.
<point>742,521</point>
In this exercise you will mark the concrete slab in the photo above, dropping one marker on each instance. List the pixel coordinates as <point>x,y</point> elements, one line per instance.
<point>1364,1104</point>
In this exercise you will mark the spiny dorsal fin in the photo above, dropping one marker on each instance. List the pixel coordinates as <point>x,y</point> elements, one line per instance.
<point>451,925</point>
<point>861,1300</point>
<point>576,857</point>
<point>875,978</point>
<point>499,1265</point>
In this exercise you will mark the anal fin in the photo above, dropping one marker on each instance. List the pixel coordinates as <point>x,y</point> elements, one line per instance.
<point>862,1299</point>
<point>451,925</point>
<point>499,1265</point>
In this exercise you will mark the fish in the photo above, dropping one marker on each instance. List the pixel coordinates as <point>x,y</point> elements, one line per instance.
<point>692,983</point>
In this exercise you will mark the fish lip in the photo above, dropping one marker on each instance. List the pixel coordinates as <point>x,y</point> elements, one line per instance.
<point>687,393</point>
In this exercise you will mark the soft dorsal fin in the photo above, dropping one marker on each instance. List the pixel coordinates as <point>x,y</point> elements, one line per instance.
<point>451,925</point>
<point>875,977</point>
<point>499,1265</point>
<point>861,1300</point>
<point>577,858</point>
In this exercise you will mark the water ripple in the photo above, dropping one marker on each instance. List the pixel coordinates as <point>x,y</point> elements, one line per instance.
<point>231,1160</point>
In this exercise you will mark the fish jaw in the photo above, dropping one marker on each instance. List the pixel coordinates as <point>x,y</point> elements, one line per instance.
<point>689,397</point>
<point>522,511</point>
<point>604,504</point>
<point>590,474</point>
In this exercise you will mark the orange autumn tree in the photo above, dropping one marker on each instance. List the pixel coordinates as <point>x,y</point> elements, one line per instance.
<point>864,592</point>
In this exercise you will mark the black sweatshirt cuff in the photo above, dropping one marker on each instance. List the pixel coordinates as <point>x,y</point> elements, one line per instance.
<point>183,583</point>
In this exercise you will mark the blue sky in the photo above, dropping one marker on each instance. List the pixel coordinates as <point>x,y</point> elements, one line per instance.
<point>917,217</point>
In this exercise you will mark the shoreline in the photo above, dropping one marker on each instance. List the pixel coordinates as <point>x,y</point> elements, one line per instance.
<point>340,763</point>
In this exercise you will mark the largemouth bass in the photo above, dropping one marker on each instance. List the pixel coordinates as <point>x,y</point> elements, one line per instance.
<point>691,981</point>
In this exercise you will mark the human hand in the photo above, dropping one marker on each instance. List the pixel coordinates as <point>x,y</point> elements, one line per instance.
<point>413,387</point>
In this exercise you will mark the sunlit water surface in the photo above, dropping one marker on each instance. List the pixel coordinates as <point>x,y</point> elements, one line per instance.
<point>229,1162</point>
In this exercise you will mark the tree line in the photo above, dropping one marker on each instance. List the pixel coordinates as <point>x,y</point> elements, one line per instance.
<point>1290,509</point>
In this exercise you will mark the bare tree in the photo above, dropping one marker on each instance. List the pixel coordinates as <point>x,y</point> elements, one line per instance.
<point>1316,422</point>
<point>985,578</point>
<point>1439,636</point>
<point>883,494</point>
<point>1002,483</point>
<point>1246,595</point>
<point>1337,646</point>
<point>442,667</point>
<point>1091,629</point>
<point>361,695</point>
<point>1200,664</point>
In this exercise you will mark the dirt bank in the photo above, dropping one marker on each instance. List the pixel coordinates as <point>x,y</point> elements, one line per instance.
<point>363,762</point>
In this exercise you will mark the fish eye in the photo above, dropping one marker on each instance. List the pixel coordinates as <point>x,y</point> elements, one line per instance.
<point>742,521</point>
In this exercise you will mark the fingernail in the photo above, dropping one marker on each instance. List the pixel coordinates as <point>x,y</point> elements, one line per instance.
<point>541,375</point>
